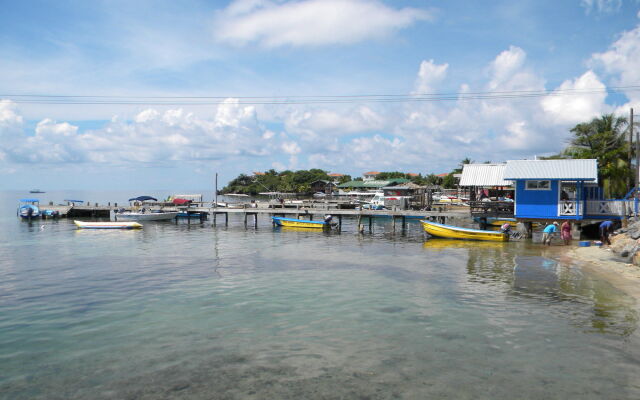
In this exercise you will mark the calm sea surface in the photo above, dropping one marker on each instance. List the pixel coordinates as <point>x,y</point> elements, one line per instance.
<point>202,312</point>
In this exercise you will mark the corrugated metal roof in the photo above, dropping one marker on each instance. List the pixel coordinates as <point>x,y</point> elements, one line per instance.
<point>483,175</point>
<point>584,170</point>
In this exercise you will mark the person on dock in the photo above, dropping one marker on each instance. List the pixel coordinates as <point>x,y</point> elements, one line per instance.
<point>505,228</point>
<point>606,228</point>
<point>565,232</point>
<point>548,232</point>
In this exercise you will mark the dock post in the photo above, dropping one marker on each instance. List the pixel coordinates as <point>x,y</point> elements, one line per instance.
<point>370,224</point>
<point>359,219</point>
<point>404,223</point>
<point>215,214</point>
<point>255,220</point>
<point>339,222</point>
<point>226,219</point>
<point>310,217</point>
<point>245,219</point>
<point>188,218</point>
<point>393,223</point>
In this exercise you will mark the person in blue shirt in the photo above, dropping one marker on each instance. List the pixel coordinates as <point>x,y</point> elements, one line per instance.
<point>548,232</point>
<point>606,228</point>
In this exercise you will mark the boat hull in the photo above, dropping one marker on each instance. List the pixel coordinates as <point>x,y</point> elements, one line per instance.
<point>23,211</point>
<point>454,232</point>
<point>299,223</point>
<point>107,225</point>
<point>146,216</point>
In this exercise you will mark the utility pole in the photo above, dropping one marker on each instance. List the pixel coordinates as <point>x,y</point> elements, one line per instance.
<point>637,168</point>
<point>629,154</point>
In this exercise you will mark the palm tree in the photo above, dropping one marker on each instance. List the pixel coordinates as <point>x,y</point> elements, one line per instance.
<point>604,139</point>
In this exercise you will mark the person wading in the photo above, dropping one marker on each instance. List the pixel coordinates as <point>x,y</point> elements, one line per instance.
<point>565,232</point>
<point>548,232</point>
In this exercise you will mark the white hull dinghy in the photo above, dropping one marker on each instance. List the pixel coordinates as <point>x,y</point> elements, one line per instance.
<point>107,225</point>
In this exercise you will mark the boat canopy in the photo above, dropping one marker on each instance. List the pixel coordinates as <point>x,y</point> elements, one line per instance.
<point>30,200</point>
<point>74,201</point>
<point>143,198</point>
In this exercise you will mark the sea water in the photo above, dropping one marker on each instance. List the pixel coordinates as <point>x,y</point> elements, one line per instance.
<point>178,311</point>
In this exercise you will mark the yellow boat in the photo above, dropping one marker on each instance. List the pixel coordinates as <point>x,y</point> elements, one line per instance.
<point>443,244</point>
<point>454,232</point>
<point>299,223</point>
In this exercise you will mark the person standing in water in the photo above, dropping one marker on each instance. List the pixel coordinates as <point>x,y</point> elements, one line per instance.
<point>548,232</point>
<point>565,232</point>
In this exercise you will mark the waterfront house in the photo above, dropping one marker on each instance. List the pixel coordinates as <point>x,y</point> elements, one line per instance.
<point>322,186</point>
<point>562,189</point>
<point>486,180</point>
<point>370,176</point>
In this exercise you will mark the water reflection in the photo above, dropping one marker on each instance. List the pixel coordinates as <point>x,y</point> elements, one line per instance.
<point>607,310</point>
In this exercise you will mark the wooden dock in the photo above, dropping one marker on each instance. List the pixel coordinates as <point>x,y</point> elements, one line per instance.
<point>250,213</point>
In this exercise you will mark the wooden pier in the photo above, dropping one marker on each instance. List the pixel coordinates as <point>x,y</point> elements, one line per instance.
<point>250,214</point>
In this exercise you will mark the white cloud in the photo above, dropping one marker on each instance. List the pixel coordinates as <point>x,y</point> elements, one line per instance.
<point>151,137</point>
<point>333,123</point>
<point>429,75</point>
<point>290,148</point>
<point>621,62</point>
<point>311,22</point>
<point>601,6</point>
<point>567,108</point>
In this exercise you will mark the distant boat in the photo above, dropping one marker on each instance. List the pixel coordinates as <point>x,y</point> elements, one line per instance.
<point>29,208</point>
<point>36,191</point>
<point>299,223</point>
<point>146,216</point>
<point>455,232</point>
<point>107,225</point>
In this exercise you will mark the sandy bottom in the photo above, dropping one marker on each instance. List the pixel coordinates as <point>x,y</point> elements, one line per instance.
<point>602,262</point>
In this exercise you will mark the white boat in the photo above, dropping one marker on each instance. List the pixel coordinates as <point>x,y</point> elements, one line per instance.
<point>146,216</point>
<point>107,225</point>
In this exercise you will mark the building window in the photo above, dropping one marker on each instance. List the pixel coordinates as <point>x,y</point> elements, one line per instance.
<point>538,185</point>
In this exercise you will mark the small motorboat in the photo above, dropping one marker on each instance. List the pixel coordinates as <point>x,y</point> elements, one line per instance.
<point>36,191</point>
<point>455,232</point>
<point>29,208</point>
<point>145,215</point>
<point>107,225</point>
<point>300,223</point>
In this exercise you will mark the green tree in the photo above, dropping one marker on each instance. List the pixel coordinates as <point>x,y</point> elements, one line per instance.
<point>603,138</point>
<point>449,182</point>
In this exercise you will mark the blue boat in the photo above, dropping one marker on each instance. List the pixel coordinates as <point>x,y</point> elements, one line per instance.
<point>29,208</point>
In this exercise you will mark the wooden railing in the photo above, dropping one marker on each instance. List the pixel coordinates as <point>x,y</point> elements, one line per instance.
<point>495,209</point>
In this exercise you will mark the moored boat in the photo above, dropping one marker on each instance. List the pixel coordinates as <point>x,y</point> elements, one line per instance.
<point>146,216</point>
<point>299,223</point>
<point>29,208</point>
<point>107,225</point>
<point>455,232</point>
<point>36,191</point>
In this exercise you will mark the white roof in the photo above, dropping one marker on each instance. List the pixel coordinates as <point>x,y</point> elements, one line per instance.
<point>581,170</point>
<point>483,175</point>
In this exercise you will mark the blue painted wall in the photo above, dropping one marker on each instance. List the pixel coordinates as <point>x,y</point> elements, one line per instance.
<point>536,203</point>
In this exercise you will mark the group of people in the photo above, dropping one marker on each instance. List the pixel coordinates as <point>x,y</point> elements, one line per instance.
<point>551,229</point>
<point>605,229</point>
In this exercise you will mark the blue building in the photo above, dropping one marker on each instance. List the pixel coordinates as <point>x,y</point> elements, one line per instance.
<point>561,189</point>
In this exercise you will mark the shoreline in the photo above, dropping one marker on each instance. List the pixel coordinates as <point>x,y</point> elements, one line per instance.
<point>603,263</point>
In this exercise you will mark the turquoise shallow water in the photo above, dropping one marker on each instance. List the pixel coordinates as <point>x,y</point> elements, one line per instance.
<point>200,312</point>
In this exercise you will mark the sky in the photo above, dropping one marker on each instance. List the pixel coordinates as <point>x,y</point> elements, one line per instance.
<point>164,94</point>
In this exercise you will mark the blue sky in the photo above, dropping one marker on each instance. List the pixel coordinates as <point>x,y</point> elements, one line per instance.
<point>274,48</point>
